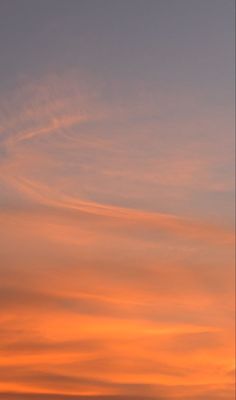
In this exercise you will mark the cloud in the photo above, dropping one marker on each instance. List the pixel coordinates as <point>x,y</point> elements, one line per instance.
<point>119,285</point>
<point>153,221</point>
<point>48,396</point>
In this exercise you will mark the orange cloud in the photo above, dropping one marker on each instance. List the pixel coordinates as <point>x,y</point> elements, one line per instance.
<point>107,296</point>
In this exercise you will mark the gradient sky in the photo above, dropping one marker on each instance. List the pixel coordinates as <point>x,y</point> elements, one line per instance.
<point>117,199</point>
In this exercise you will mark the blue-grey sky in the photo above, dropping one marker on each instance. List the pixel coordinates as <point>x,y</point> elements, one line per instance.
<point>163,43</point>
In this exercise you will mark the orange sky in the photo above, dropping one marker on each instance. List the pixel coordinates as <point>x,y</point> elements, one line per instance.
<point>116,210</point>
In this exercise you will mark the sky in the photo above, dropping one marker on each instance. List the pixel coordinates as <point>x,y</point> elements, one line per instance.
<point>117,199</point>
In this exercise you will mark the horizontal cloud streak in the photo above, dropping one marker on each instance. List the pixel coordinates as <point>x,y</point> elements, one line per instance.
<point>169,223</point>
<point>121,282</point>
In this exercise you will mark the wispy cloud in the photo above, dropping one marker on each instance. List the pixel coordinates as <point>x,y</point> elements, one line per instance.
<point>113,291</point>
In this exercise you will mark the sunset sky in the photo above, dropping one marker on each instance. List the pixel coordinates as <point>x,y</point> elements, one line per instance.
<point>117,199</point>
